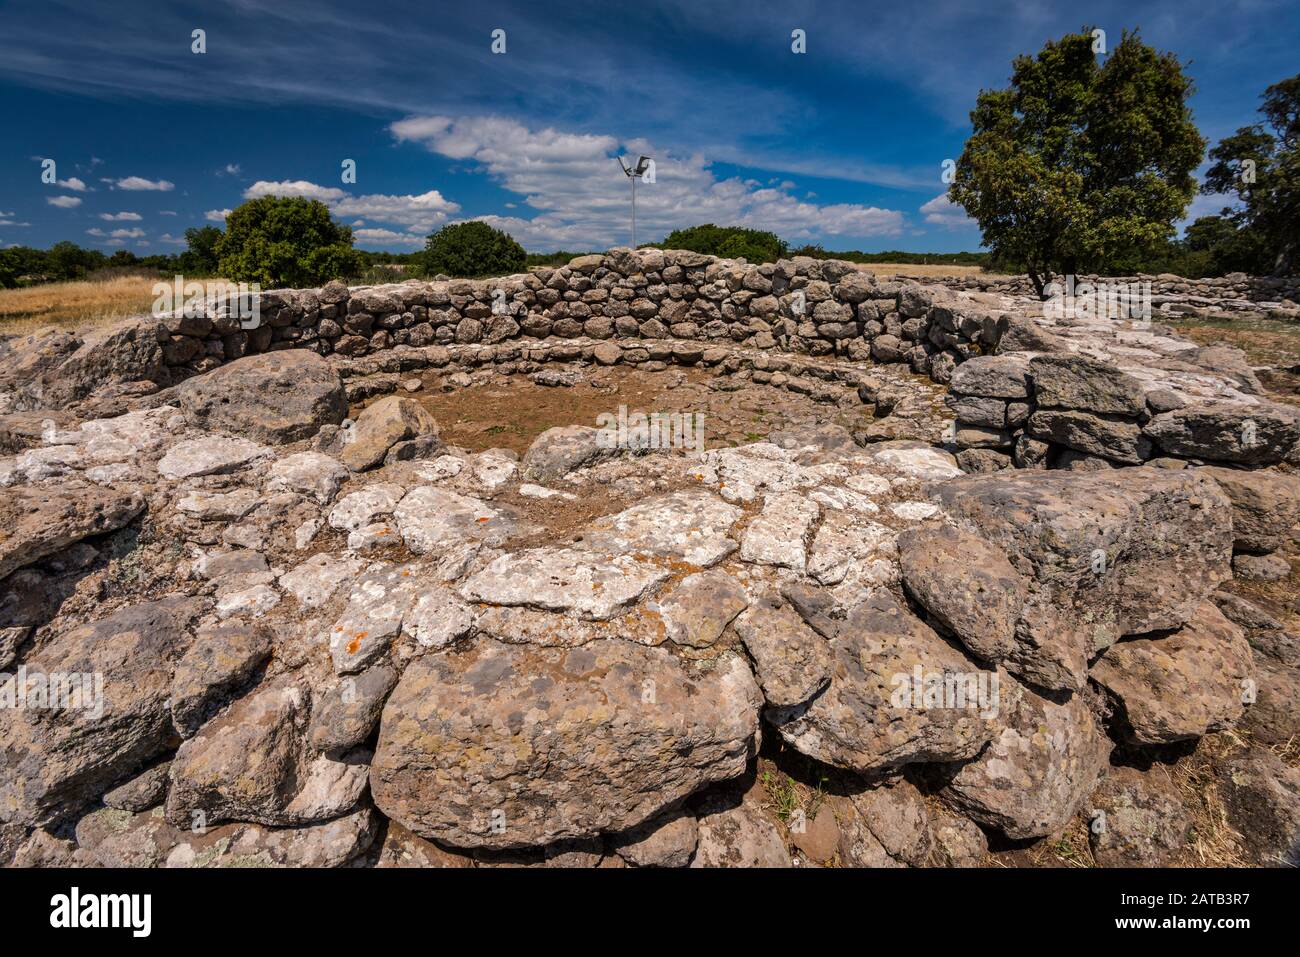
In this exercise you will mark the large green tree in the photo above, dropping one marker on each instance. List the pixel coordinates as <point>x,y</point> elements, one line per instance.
<point>285,241</point>
<point>200,257</point>
<point>1080,165</point>
<point>473,249</point>
<point>1261,167</point>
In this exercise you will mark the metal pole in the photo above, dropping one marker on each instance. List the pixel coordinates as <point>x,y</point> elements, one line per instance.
<point>634,210</point>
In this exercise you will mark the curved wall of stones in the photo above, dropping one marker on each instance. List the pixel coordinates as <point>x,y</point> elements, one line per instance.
<point>803,305</point>
<point>1111,397</point>
<point>1231,293</point>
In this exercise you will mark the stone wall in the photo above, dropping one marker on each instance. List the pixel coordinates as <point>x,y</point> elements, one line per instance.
<point>1234,292</point>
<point>1122,398</point>
<point>1064,410</point>
<point>803,305</point>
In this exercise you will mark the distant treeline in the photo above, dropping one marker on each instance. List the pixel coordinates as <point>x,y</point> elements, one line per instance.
<point>1192,257</point>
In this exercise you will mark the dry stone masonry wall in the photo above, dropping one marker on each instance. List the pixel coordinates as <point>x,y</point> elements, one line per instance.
<point>1034,390</point>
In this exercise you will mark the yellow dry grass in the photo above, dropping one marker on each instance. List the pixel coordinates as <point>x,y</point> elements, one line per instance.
<point>74,303</point>
<point>918,271</point>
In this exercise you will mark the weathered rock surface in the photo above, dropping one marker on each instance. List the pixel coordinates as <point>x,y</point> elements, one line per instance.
<point>308,473</point>
<point>509,746</point>
<point>254,763</point>
<point>344,715</point>
<point>147,789</point>
<point>734,832</point>
<point>213,455</point>
<point>1260,434</point>
<point>220,659</point>
<point>792,661</point>
<point>382,425</point>
<point>37,521</point>
<point>115,838</point>
<point>692,527</point>
<point>1077,382</point>
<point>276,397</point>
<point>966,584</point>
<point>54,761</point>
<point>1182,686</point>
<point>1041,765</point>
<point>1106,554</point>
<point>1262,794</point>
<point>1137,819</point>
<point>867,719</point>
<point>558,451</point>
<point>697,610</point>
<point>587,584</point>
<point>668,840</point>
<point>1265,506</point>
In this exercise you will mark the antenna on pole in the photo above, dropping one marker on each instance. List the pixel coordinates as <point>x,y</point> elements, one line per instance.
<point>634,173</point>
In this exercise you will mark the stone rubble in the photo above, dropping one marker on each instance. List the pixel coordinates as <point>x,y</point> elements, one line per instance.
<point>326,641</point>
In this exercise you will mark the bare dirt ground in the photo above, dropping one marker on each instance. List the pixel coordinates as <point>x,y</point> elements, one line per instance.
<point>511,412</point>
<point>1273,343</point>
<point>74,303</point>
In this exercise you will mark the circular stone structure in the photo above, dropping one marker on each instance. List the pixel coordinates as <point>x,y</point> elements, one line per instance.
<point>580,582</point>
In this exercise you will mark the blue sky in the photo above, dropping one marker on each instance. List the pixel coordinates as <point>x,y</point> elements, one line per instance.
<point>842,145</point>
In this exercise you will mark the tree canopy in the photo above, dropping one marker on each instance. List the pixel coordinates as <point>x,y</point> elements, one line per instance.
<point>285,241</point>
<point>473,249</point>
<point>1080,165</point>
<point>1261,168</point>
<point>727,242</point>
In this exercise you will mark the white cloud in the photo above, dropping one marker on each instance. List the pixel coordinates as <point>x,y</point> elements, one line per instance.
<point>173,240</point>
<point>583,201</point>
<point>167,212</point>
<point>388,237</point>
<point>941,211</point>
<point>95,232</point>
<point>72,183</point>
<point>127,233</point>
<point>216,215</point>
<point>6,221</point>
<point>297,187</point>
<point>419,213</point>
<point>64,202</point>
<point>230,169</point>
<point>140,183</point>
<point>121,217</point>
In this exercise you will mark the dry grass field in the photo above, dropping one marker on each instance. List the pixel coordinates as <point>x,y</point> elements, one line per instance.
<point>918,271</point>
<point>74,303</point>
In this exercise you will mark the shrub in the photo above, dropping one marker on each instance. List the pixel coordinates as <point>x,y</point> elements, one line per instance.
<point>473,249</point>
<point>285,241</point>
<point>727,242</point>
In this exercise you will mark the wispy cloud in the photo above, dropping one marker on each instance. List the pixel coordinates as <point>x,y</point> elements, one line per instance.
<point>140,183</point>
<point>582,199</point>
<point>419,212</point>
<point>64,202</point>
<point>941,211</point>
